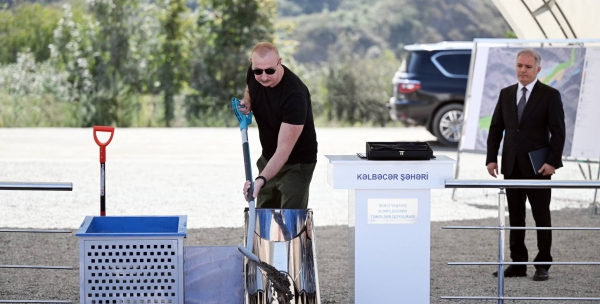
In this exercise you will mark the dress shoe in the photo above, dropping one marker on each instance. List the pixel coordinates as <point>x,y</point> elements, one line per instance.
<point>541,275</point>
<point>512,272</point>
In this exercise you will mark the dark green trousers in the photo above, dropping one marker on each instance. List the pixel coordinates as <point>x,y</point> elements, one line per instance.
<point>288,189</point>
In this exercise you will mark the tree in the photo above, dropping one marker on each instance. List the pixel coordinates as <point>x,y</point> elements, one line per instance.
<point>357,86</point>
<point>172,70</point>
<point>111,48</point>
<point>27,28</point>
<point>229,29</point>
<point>71,51</point>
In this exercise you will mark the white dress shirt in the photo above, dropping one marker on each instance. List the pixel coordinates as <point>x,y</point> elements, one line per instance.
<point>528,93</point>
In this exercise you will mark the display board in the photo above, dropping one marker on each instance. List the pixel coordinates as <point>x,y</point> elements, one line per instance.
<point>573,70</point>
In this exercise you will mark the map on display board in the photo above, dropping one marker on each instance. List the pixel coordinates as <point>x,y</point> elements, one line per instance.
<point>574,71</point>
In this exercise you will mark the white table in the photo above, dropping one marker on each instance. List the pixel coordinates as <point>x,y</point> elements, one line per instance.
<point>389,224</point>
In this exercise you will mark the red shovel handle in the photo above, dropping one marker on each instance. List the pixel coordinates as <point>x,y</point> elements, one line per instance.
<point>103,144</point>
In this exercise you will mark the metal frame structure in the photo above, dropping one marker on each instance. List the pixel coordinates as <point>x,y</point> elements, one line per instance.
<point>503,184</point>
<point>29,186</point>
<point>550,18</point>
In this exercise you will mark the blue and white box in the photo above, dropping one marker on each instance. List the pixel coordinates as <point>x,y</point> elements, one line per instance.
<point>132,259</point>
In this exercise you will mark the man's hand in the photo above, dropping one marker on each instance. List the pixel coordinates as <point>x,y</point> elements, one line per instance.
<point>492,169</point>
<point>245,104</point>
<point>245,107</point>
<point>258,184</point>
<point>546,170</point>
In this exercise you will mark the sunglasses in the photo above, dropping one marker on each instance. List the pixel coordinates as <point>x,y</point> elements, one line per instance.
<point>269,71</point>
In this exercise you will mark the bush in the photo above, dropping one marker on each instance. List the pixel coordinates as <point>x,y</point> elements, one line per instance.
<point>27,77</point>
<point>357,89</point>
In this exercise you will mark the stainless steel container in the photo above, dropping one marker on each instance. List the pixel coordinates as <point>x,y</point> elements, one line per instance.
<point>285,239</point>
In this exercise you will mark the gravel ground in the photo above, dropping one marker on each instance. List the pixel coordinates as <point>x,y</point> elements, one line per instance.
<point>446,246</point>
<point>196,172</point>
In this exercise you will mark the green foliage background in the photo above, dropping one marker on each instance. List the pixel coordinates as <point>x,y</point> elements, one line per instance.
<point>177,63</point>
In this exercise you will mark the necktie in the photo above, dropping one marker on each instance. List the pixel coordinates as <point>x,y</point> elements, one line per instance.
<point>522,102</point>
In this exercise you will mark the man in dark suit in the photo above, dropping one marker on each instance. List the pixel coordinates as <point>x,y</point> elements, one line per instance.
<point>531,115</point>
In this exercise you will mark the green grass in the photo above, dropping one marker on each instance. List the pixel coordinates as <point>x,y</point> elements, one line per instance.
<point>36,111</point>
<point>25,111</point>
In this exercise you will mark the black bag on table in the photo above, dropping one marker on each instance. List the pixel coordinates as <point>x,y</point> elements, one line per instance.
<point>399,151</point>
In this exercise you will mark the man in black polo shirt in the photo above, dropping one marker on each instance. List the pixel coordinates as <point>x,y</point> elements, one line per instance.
<point>282,107</point>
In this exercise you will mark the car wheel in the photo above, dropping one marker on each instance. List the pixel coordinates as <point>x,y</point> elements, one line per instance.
<point>447,124</point>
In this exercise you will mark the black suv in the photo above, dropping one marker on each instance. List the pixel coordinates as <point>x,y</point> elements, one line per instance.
<point>429,88</point>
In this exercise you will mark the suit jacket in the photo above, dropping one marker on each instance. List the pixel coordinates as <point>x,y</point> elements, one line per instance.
<point>542,124</point>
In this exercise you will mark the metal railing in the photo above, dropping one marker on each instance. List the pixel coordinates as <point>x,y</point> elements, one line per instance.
<point>36,186</point>
<point>30,186</point>
<point>503,184</point>
<point>595,205</point>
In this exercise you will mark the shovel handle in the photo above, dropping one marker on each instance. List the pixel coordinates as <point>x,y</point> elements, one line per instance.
<point>103,145</point>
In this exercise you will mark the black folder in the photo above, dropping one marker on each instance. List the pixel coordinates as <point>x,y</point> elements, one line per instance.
<point>538,158</point>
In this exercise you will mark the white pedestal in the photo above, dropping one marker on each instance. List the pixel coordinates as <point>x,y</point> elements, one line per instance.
<point>388,225</point>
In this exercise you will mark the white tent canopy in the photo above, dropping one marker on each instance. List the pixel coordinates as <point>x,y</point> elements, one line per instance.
<point>552,19</point>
